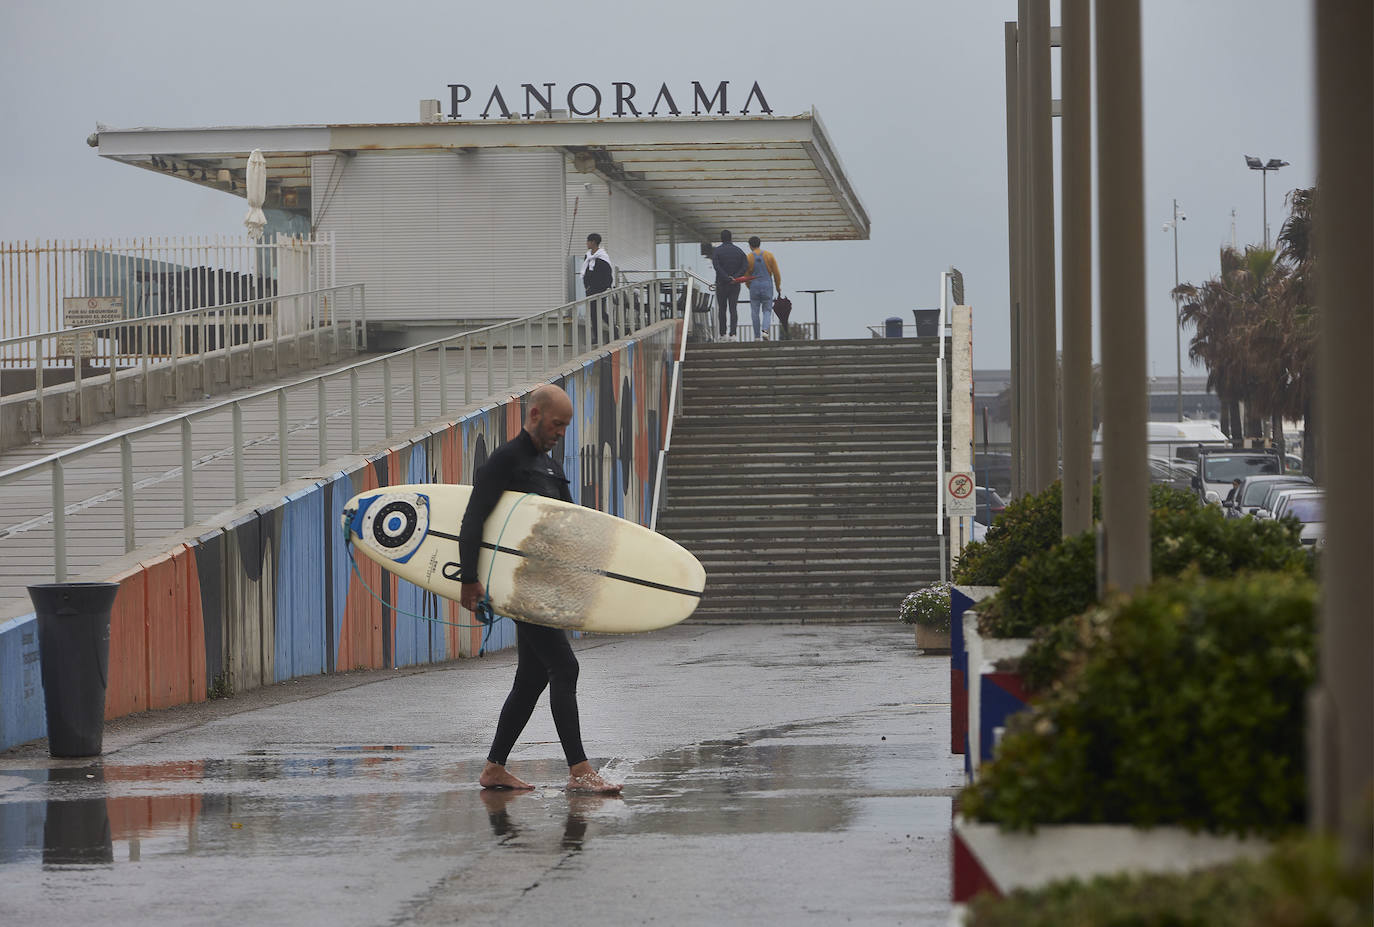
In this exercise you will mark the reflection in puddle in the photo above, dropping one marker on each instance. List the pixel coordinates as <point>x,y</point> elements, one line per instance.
<point>354,800</point>
<point>77,831</point>
<point>385,748</point>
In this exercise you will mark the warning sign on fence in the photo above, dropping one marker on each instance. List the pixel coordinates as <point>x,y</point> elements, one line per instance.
<point>86,310</point>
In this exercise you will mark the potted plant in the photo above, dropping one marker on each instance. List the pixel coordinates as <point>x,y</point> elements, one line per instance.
<point>928,610</point>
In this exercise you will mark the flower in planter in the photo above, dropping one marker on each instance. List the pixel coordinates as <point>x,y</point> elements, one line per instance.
<point>928,607</point>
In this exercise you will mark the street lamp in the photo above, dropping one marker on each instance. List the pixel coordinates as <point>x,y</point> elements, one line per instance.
<point>1264,168</point>
<point>815,312</point>
<point>1172,224</point>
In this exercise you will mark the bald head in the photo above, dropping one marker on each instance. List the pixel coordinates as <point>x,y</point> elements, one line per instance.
<point>547,416</point>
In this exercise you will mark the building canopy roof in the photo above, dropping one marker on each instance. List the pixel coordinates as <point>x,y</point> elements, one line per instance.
<point>777,177</point>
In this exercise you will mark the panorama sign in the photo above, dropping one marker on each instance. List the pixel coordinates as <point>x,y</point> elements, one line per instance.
<point>621,99</point>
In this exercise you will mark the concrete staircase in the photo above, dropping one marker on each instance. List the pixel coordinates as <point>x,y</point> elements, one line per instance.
<point>802,475</point>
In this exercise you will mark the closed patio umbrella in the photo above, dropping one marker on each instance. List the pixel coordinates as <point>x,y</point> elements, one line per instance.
<point>257,194</point>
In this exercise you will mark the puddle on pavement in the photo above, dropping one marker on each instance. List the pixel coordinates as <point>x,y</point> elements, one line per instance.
<point>359,799</point>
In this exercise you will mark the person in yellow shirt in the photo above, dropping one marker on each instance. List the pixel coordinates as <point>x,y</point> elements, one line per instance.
<point>762,287</point>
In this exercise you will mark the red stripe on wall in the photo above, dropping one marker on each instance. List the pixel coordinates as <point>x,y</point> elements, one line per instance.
<point>126,690</point>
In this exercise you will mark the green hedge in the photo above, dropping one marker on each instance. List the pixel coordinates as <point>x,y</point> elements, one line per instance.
<point>1061,581</point>
<point>1185,706</point>
<point>1300,883</point>
<point>1033,523</point>
<point>1028,524</point>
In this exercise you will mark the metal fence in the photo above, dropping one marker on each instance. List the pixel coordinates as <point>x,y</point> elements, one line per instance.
<point>50,285</point>
<point>193,335</point>
<point>539,343</point>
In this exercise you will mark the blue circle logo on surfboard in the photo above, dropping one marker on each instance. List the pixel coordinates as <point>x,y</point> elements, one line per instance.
<point>394,524</point>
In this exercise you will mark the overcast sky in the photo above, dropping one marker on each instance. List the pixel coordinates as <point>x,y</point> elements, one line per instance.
<point>912,94</point>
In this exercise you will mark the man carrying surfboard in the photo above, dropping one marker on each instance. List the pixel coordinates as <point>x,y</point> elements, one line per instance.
<point>546,658</point>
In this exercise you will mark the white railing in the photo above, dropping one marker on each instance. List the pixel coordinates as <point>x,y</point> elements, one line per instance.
<point>562,334</point>
<point>689,300</point>
<point>42,283</point>
<point>193,336</point>
<point>940,429</point>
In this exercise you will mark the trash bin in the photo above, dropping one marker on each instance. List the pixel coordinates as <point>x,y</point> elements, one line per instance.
<point>894,327</point>
<point>74,659</point>
<point>927,322</point>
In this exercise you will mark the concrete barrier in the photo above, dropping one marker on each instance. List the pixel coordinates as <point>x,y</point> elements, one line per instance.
<point>268,593</point>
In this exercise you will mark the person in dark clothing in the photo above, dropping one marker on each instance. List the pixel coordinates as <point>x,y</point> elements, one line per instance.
<point>546,658</point>
<point>729,262</point>
<point>597,277</point>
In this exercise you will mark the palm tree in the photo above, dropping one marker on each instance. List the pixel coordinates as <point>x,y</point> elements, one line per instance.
<point>1295,247</point>
<point>1255,329</point>
<point>1213,308</point>
<point>1241,336</point>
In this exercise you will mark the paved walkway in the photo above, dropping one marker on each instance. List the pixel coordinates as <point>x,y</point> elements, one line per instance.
<point>774,774</point>
<point>94,500</point>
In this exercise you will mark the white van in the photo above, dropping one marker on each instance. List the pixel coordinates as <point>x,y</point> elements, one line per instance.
<point>1174,439</point>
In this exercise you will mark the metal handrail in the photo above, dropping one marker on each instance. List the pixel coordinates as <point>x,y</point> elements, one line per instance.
<point>356,319</point>
<point>675,391</point>
<point>618,307</point>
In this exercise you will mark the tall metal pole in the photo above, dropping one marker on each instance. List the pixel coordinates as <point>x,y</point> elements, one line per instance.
<point>1041,145</point>
<point>1341,764</point>
<point>1178,325</point>
<point>1013,254</point>
<point>1264,203</point>
<point>1025,327</point>
<point>1121,236</point>
<point>1076,145</point>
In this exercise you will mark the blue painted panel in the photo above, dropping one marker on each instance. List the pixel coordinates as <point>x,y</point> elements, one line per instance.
<point>300,592</point>
<point>958,604</point>
<point>995,705</point>
<point>22,716</point>
<point>501,636</point>
<point>343,486</point>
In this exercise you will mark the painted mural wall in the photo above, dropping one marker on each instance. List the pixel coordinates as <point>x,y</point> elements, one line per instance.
<point>274,595</point>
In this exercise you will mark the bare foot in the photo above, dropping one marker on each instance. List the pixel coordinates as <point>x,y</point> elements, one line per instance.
<point>495,776</point>
<point>582,778</point>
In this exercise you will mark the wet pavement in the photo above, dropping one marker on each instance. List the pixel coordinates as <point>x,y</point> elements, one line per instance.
<point>773,774</point>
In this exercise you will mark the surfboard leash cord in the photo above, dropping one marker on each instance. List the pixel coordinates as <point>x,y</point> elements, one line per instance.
<point>485,617</point>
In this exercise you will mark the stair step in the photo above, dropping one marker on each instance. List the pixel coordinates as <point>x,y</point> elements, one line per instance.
<point>802,475</point>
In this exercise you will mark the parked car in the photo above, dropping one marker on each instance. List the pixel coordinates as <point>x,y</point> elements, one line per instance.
<point>1253,489</point>
<point>990,505</point>
<point>1275,494</point>
<point>1218,467</point>
<point>1172,471</point>
<point>1308,508</point>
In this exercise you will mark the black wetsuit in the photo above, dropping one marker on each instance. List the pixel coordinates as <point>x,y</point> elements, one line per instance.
<point>545,656</point>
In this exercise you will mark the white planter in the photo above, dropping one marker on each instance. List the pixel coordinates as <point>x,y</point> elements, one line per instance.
<point>987,858</point>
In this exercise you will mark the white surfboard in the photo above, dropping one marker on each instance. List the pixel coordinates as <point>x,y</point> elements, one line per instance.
<point>542,560</point>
